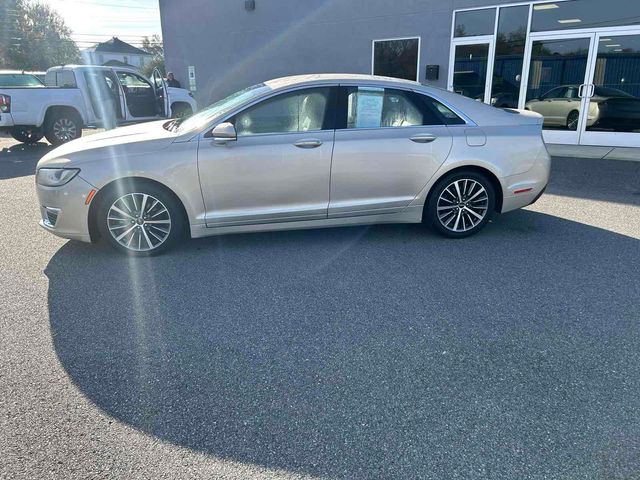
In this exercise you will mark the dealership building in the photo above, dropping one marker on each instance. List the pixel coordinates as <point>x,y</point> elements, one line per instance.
<point>577,62</point>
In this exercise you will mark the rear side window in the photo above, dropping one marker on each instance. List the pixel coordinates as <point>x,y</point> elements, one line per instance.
<point>61,78</point>
<point>298,111</point>
<point>372,107</point>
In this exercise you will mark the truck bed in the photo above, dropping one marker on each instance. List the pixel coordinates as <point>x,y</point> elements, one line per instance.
<point>29,105</point>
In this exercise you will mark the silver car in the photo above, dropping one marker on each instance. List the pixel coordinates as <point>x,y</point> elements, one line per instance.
<point>298,152</point>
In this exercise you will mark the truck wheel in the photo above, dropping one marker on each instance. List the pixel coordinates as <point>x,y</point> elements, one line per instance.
<point>62,126</point>
<point>27,134</point>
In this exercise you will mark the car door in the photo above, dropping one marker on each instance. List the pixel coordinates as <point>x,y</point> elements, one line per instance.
<point>278,169</point>
<point>139,95</point>
<point>550,104</point>
<point>161,92</point>
<point>569,102</point>
<point>388,144</point>
<point>105,97</point>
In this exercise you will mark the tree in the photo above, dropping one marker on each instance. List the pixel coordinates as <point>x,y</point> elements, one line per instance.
<point>153,45</point>
<point>43,41</point>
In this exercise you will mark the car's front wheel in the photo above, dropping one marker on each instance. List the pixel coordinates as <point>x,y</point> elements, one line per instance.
<point>460,204</point>
<point>141,219</point>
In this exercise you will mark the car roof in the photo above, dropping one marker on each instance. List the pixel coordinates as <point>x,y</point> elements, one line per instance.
<point>284,82</point>
<point>17,72</point>
<point>92,67</point>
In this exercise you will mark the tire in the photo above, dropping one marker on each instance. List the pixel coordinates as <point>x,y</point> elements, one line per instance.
<point>181,111</point>
<point>476,199</point>
<point>572,120</point>
<point>62,126</point>
<point>28,135</point>
<point>122,224</point>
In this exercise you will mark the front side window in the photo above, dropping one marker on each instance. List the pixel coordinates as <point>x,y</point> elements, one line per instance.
<point>132,80</point>
<point>299,111</point>
<point>555,93</point>
<point>396,58</point>
<point>371,107</point>
<point>221,107</point>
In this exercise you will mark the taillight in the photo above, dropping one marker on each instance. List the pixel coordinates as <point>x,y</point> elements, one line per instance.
<point>5,103</point>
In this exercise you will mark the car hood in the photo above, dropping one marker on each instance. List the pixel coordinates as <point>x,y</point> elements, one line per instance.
<point>128,141</point>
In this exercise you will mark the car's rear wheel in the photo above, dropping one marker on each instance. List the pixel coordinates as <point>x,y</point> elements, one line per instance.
<point>460,204</point>
<point>62,126</point>
<point>141,220</point>
<point>27,134</point>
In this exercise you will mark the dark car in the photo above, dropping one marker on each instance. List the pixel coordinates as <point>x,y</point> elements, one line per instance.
<point>617,110</point>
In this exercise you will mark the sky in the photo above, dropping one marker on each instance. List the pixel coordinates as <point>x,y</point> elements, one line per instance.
<point>94,21</point>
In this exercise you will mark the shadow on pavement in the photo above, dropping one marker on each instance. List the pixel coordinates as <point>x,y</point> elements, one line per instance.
<point>381,352</point>
<point>21,159</point>
<point>606,180</point>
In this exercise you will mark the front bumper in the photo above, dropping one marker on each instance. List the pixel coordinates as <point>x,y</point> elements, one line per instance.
<point>64,210</point>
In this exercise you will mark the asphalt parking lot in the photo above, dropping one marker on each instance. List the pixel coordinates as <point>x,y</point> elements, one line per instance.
<point>368,352</point>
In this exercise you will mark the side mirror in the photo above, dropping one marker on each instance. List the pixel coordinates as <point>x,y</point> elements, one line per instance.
<point>223,133</point>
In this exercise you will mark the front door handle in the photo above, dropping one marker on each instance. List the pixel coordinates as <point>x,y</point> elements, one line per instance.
<point>423,138</point>
<point>309,143</point>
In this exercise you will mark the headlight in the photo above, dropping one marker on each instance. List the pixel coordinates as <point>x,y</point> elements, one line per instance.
<point>55,177</point>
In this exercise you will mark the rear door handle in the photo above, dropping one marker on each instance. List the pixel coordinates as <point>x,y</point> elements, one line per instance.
<point>423,138</point>
<point>309,143</point>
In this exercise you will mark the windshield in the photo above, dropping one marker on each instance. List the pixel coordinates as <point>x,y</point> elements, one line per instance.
<point>221,107</point>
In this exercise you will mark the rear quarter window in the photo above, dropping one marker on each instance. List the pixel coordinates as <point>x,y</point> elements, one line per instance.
<point>445,115</point>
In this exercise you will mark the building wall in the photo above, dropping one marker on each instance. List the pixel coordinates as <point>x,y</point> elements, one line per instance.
<point>231,48</point>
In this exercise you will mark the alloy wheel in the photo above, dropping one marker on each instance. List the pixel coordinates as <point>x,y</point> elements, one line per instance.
<point>64,129</point>
<point>572,120</point>
<point>139,222</point>
<point>462,205</point>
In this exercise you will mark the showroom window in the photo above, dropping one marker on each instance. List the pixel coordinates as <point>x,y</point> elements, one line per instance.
<point>474,23</point>
<point>509,56</point>
<point>571,15</point>
<point>398,58</point>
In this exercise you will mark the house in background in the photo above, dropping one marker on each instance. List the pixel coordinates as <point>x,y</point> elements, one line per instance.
<point>115,52</point>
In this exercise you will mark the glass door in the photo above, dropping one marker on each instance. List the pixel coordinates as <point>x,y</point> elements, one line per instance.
<point>557,83</point>
<point>613,91</point>
<point>471,71</point>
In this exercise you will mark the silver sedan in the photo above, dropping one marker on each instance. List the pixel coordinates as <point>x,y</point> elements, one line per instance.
<point>298,152</point>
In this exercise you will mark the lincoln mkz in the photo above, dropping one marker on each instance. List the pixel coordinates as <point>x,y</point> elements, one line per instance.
<point>298,152</point>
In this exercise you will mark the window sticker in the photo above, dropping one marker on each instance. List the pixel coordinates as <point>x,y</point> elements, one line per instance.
<point>369,107</point>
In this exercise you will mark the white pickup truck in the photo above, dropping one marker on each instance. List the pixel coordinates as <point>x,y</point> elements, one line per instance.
<point>84,96</point>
